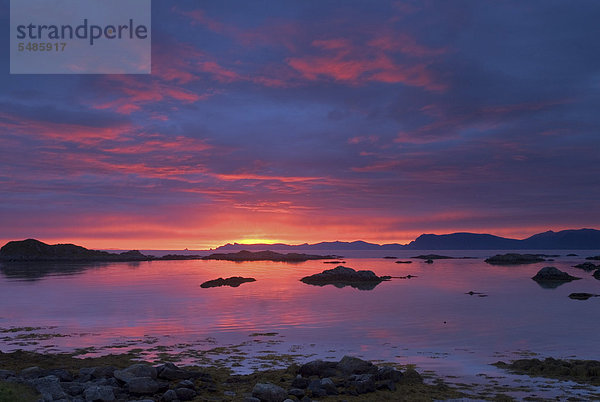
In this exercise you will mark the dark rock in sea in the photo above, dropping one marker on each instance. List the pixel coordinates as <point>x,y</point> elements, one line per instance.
<point>390,257</point>
<point>514,259</point>
<point>35,250</point>
<point>233,281</point>
<point>587,266</point>
<point>582,296</point>
<point>268,392</point>
<point>429,261</point>
<point>403,262</point>
<point>169,257</point>
<point>433,257</point>
<point>334,262</point>
<point>552,274</point>
<point>341,276</point>
<point>597,274</point>
<point>245,255</point>
<point>472,293</point>
<point>596,257</point>
<point>571,255</point>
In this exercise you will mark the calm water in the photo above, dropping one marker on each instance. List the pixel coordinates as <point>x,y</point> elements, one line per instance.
<point>427,320</point>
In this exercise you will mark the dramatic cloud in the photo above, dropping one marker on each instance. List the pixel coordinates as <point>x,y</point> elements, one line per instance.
<point>308,121</point>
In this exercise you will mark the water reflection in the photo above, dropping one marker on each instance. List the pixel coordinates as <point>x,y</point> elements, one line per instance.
<point>340,285</point>
<point>36,270</point>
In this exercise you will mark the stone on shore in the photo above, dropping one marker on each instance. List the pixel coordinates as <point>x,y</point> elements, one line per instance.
<point>268,392</point>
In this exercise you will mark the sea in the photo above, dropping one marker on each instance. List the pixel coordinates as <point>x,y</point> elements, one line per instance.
<point>450,319</point>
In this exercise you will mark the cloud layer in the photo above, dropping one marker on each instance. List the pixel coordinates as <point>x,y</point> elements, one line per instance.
<point>310,121</point>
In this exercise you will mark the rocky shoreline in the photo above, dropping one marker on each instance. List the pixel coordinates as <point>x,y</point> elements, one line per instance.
<point>62,377</point>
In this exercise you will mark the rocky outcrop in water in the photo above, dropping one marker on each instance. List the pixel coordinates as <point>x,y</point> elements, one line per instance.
<point>341,276</point>
<point>514,259</point>
<point>233,281</point>
<point>587,266</point>
<point>35,250</point>
<point>552,274</point>
<point>582,296</point>
<point>433,257</point>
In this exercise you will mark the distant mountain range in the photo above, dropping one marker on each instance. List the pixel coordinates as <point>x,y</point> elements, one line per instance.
<point>580,239</point>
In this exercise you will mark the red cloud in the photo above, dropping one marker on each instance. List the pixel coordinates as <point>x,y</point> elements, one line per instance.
<point>342,60</point>
<point>61,131</point>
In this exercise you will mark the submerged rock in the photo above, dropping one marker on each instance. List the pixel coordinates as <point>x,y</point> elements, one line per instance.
<point>233,281</point>
<point>582,296</point>
<point>341,276</point>
<point>514,259</point>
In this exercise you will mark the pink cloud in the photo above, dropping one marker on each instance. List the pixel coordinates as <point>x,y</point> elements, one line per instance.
<point>342,60</point>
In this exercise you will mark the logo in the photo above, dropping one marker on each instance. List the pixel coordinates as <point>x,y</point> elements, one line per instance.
<point>80,37</point>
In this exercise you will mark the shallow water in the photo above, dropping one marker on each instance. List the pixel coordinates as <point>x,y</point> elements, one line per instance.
<point>428,320</point>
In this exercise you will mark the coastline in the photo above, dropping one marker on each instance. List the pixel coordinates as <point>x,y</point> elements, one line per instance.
<point>26,374</point>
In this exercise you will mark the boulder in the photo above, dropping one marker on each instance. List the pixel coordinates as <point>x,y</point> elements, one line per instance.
<point>97,372</point>
<point>142,386</point>
<point>49,387</point>
<point>96,393</point>
<point>316,390</point>
<point>169,396</point>
<point>387,373</point>
<point>329,387</point>
<point>317,367</point>
<point>4,374</point>
<point>300,382</point>
<point>169,371</point>
<point>33,372</point>
<point>268,392</point>
<point>135,371</point>
<point>354,365</point>
<point>597,274</point>
<point>185,394</point>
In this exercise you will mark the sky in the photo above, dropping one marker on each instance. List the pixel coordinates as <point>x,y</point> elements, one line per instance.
<point>313,120</point>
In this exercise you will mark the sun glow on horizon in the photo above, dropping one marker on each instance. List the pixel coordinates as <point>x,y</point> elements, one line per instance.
<point>255,240</point>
